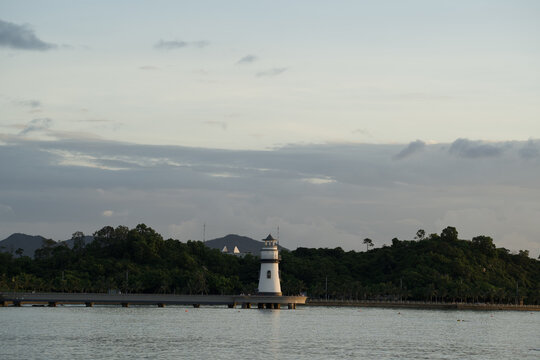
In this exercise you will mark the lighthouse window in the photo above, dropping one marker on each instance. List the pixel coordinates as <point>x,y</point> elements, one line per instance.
<point>268,274</point>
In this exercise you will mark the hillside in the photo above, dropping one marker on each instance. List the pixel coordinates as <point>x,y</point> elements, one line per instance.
<point>245,244</point>
<point>437,267</point>
<point>28,243</point>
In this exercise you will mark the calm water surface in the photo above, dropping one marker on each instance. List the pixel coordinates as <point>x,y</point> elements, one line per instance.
<point>70,332</point>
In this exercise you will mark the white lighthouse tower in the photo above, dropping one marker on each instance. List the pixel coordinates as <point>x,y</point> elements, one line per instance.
<point>269,276</point>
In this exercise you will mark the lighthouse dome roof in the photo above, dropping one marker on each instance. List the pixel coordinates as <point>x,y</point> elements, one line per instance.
<point>269,238</point>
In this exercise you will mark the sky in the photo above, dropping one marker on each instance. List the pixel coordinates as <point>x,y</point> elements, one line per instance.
<point>335,121</point>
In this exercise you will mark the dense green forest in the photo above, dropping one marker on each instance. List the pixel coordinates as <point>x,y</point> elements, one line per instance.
<point>438,267</point>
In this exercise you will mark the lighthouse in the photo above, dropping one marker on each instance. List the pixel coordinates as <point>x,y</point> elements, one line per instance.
<point>269,276</point>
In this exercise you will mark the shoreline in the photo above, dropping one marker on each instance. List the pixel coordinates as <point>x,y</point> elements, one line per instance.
<point>245,301</point>
<point>421,305</point>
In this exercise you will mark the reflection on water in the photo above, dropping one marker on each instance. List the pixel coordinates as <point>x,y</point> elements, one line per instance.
<point>306,333</point>
<point>273,332</point>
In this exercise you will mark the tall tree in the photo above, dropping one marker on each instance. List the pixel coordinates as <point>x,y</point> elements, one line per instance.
<point>369,243</point>
<point>78,240</point>
<point>449,233</point>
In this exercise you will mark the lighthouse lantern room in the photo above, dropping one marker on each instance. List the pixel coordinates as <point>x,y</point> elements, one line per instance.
<point>269,277</point>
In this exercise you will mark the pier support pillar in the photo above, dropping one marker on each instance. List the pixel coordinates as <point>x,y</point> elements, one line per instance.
<point>291,306</point>
<point>3,303</point>
<point>246,306</point>
<point>277,306</point>
<point>89,304</point>
<point>269,306</point>
<point>162,305</point>
<point>17,303</point>
<point>52,304</point>
<point>260,305</point>
<point>196,305</point>
<point>232,306</point>
<point>125,304</point>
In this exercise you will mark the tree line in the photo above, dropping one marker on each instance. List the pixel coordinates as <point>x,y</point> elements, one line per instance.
<point>438,267</point>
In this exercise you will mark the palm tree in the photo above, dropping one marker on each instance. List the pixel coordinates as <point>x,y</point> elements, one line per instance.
<point>369,243</point>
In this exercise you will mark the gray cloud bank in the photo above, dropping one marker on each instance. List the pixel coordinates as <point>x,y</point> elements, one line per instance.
<point>319,195</point>
<point>474,149</point>
<point>21,37</point>
<point>412,148</point>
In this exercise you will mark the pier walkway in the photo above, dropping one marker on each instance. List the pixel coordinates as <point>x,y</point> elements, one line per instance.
<point>161,300</point>
<point>422,305</point>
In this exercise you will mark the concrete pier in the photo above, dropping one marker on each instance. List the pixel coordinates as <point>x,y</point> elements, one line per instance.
<point>125,300</point>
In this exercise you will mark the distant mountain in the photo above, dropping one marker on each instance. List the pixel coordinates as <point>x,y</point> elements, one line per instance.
<point>87,240</point>
<point>243,243</point>
<point>28,243</point>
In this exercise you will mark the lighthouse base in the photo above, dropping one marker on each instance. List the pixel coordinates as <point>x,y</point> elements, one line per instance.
<point>270,293</point>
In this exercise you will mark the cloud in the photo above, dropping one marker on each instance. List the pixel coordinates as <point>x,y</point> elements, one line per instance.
<point>318,181</point>
<point>419,96</point>
<point>36,125</point>
<point>223,175</point>
<point>272,72</point>
<point>4,209</point>
<point>320,195</point>
<point>363,132</point>
<point>148,67</point>
<point>170,44</point>
<point>42,127</point>
<point>530,150</point>
<point>21,37</point>
<point>78,159</point>
<point>30,103</point>
<point>95,120</point>
<point>474,149</point>
<point>222,124</point>
<point>248,59</point>
<point>200,72</point>
<point>412,148</point>
<point>178,44</point>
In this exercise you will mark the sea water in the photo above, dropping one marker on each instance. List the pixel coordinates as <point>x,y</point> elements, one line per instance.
<point>110,332</point>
